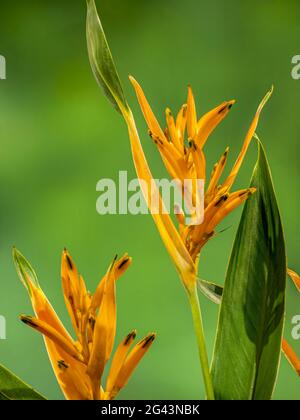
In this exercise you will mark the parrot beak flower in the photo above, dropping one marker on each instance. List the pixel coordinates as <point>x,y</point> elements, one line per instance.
<point>286,348</point>
<point>79,364</point>
<point>181,146</point>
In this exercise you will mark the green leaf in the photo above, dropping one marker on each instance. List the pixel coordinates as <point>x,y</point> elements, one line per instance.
<point>247,350</point>
<point>212,291</point>
<point>24,269</point>
<point>12,388</point>
<point>101,60</point>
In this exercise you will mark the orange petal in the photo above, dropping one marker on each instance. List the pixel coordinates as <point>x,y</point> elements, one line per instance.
<point>191,115</point>
<point>78,390</point>
<point>291,356</point>
<point>152,122</point>
<point>66,345</point>
<point>181,124</point>
<point>234,201</point>
<point>210,121</point>
<point>233,174</point>
<point>70,390</point>
<point>295,277</point>
<point>74,381</point>
<point>215,177</point>
<point>172,130</point>
<point>71,288</point>
<point>119,268</point>
<point>119,359</point>
<point>167,229</point>
<point>169,153</point>
<point>131,362</point>
<point>104,331</point>
<point>199,161</point>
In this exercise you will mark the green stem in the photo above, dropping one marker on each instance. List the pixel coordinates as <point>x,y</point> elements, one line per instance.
<point>198,326</point>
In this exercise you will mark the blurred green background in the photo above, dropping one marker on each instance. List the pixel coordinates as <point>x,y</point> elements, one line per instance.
<point>59,136</point>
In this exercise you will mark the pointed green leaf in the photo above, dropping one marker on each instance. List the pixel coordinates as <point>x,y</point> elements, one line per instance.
<point>212,291</point>
<point>247,350</point>
<point>12,388</point>
<point>101,59</point>
<point>24,269</point>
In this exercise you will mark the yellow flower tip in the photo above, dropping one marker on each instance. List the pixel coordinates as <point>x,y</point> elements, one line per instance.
<point>68,265</point>
<point>295,277</point>
<point>168,113</point>
<point>184,110</point>
<point>148,340</point>
<point>192,114</point>
<point>27,320</point>
<point>191,100</point>
<point>68,259</point>
<point>133,80</point>
<point>126,257</point>
<point>226,153</point>
<point>231,103</point>
<point>246,193</point>
<point>123,264</point>
<point>130,337</point>
<point>225,107</point>
<point>252,190</point>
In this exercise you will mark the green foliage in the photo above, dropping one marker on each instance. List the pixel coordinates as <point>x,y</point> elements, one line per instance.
<point>247,351</point>
<point>12,388</point>
<point>101,59</point>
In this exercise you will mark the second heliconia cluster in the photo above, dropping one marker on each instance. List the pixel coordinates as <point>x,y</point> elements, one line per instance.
<point>79,364</point>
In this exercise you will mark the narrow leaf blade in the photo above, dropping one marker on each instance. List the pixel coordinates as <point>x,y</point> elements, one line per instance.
<point>13,388</point>
<point>101,59</point>
<point>212,291</point>
<point>247,351</point>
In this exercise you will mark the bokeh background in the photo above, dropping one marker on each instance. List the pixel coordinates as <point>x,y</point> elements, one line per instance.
<point>59,136</point>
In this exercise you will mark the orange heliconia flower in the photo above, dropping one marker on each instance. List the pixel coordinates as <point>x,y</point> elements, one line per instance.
<point>181,146</point>
<point>79,364</point>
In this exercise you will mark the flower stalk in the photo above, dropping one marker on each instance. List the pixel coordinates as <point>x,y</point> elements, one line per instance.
<point>199,332</point>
